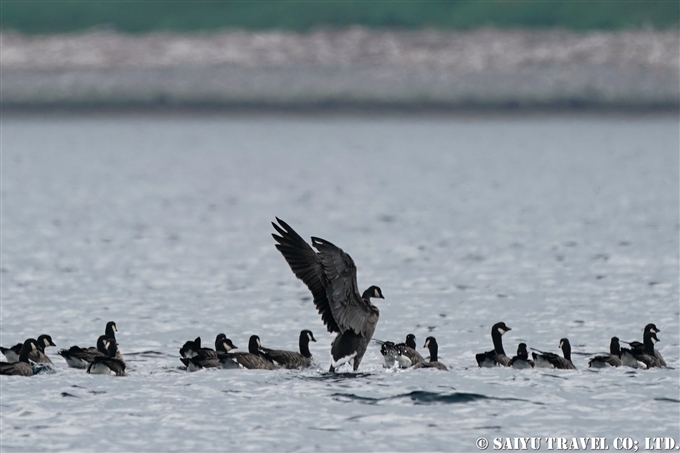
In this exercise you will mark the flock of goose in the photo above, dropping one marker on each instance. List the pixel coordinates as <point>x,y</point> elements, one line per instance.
<point>330,275</point>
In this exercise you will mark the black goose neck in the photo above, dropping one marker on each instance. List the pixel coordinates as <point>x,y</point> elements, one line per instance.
<point>411,342</point>
<point>566,350</point>
<point>253,347</point>
<point>497,341</point>
<point>615,348</point>
<point>25,351</point>
<point>649,344</point>
<point>367,294</point>
<point>304,346</point>
<point>109,332</point>
<point>434,349</point>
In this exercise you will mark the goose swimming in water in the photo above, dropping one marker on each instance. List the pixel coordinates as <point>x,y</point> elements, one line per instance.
<point>403,355</point>
<point>643,356</point>
<point>195,357</point>
<point>431,344</point>
<point>21,367</point>
<point>255,358</point>
<point>521,361</point>
<point>613,359</point>
<point>38,355</point>
<point>628,359</point>
<point>331,276</point>
<point>77,357</point>
<point>292,359</point>
<point>108,363</point>
<point>550,360</point>
<point>495,357</point>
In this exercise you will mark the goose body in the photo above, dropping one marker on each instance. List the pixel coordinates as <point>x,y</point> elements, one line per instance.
<point>292,359</point>
<point>611,360</point>
<point>431,344</point>
<point>195,357</point>
<point>645,356</point>
<point>254,359</point>
<point>495,357</point>
<point>403,355</point>
<point>107,363</point>
<point>77,357</point>
<point>331,276</point>
<point>408,350</point>
<point>393,355</point>
<point>550,360</point>
<point>522,361</point>
<point>38,355</point>
<point>21,367</point>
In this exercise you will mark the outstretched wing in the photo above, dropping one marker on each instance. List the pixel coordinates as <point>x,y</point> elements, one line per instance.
<point>339,278</point>
<point>306,266</point>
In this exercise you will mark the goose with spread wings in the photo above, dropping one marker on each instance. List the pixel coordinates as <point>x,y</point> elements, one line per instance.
<point>331,276</point>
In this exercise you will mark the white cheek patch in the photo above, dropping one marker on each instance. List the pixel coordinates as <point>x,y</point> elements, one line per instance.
<point>654,340</point>
<point>561,344</point>
<point>309,335</point>
<point>376,293</point>
<point>501,330</point>
<point>427,343</point>
<point>259,345</point>
<point>115,329</point>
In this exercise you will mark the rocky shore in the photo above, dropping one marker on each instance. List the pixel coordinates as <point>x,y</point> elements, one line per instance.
<point>351,68</point>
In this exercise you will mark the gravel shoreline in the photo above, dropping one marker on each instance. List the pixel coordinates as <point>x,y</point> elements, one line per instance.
<point>353,68</point>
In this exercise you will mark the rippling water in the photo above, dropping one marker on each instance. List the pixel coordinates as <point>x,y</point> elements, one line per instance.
<point>559,226</point>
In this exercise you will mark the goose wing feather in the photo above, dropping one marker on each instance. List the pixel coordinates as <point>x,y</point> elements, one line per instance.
<point>306,265</point>
<point>349,309</point>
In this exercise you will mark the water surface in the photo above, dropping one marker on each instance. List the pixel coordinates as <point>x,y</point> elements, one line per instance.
<point>559,226</point>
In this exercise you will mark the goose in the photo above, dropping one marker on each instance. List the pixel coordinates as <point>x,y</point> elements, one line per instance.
<point>495,357</point>
<point>291,359</point>
<point>195,358</point>
<point>550,360</point>
<point>21,367</point>
<point>253,359</point>
<point>402,354</point>
<point>38,356</point>
<point>408,350</point>
<point>652,328</point>
<point>431,344</point>
<point>194,349</point>
<point>613,359</point>
<point>107,364</point>
<point>390,354</point>
<point>110,332</point>
<point>77,357</point>
<point>331,276</point>
<point>643,357</point>
<point>393,355</point>
<point>522,361</point>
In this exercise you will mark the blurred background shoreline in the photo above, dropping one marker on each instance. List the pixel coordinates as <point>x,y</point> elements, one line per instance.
<point>317,56</point>
<point>351,70</point>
